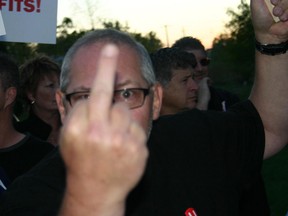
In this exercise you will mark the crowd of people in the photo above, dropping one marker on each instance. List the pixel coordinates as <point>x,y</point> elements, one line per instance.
<point>142,134</point>
<point>19,151</point>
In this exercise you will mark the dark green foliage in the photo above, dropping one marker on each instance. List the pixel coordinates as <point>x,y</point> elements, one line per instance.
<point>116,25</point>
<point>19,51</point>
<point>149,41</point>
<point>233,53</point>
<point>66,36</point>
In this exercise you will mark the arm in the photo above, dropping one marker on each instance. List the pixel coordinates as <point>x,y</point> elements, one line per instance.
<point>103,148</point>
<point>269,93</point>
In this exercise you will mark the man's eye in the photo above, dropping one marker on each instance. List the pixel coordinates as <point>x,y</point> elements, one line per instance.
<point>126,94</point>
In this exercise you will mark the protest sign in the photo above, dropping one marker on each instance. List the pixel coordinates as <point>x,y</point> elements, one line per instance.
<point>29,20</point>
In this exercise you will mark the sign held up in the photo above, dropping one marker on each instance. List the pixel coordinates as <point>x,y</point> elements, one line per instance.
<point>29,20</point>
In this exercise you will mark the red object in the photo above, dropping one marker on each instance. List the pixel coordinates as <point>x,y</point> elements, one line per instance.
<point>190,212</point>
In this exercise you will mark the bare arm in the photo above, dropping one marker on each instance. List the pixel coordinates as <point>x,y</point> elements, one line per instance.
<point>269,93</point>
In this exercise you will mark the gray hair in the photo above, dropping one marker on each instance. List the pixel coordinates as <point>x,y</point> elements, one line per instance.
<point>107,36</point>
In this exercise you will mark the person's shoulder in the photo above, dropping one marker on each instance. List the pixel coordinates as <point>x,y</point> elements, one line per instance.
<point>180,124</point>
<point>195,118</point>
<point>49,167</point>
<point>172,118</point>
<point>36,145</point>
<point>37,192</point>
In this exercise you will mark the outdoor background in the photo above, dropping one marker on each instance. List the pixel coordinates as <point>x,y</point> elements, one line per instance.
<point>230,43</point>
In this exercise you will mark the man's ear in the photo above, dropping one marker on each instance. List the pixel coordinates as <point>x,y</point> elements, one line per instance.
<point>10,96</point>
<point>61,107</point>
<point>157,101</point>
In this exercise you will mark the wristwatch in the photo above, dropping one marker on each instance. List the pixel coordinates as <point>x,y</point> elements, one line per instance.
<point>271,49</point>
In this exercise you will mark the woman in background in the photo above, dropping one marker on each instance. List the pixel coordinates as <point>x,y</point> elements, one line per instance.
<point>39,79</point>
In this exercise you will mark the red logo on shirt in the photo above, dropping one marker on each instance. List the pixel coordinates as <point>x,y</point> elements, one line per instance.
<point>190,212</point>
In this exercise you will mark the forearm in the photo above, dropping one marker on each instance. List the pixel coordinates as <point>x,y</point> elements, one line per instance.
<point>269,95</point>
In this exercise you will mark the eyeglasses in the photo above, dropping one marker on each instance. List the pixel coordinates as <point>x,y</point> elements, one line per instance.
<point>133,97</point>
<point>204,62</point>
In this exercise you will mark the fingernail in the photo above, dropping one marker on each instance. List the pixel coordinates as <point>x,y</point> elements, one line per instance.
<point>110,50</point>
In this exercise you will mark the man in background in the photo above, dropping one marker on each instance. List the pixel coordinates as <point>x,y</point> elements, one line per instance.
<point>220,99</point>
<point>175,71</point>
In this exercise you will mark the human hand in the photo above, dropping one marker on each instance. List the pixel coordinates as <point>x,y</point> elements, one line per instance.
<point>103,148</point>
<point>267,31</point>
<point>203,94</point>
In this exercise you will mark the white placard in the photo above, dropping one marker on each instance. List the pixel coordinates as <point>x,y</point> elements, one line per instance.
<point>29,20</point>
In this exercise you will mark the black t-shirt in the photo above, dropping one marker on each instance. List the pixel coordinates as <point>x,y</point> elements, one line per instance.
<point>199,160</point>
<point>21,157</point>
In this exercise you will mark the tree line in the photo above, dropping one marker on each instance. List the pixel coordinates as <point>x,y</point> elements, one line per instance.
<point>232,52</point>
